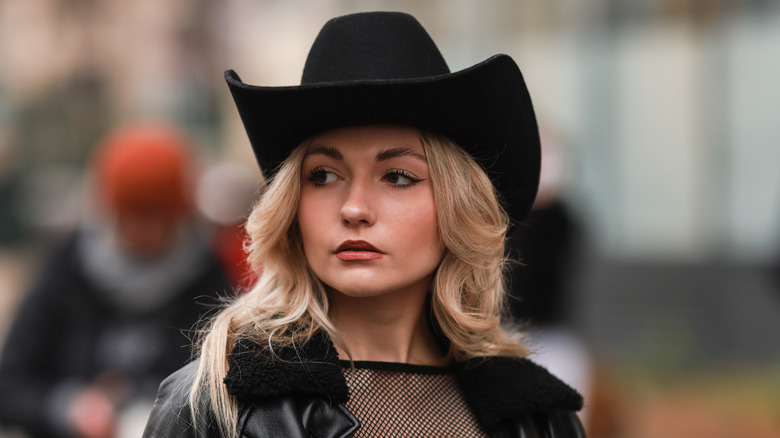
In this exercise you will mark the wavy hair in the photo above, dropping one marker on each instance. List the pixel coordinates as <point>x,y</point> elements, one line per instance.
<point>289,304</point>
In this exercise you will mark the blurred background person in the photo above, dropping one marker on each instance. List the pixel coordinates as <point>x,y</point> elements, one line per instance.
<point>544,248</point>
<point>545,245</point>
<point>108,315</point>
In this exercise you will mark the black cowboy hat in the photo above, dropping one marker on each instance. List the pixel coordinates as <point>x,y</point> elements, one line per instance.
<point>384,68</point>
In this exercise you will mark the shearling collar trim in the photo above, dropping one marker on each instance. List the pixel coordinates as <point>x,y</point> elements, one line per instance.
<point>496,388</point>
<point>313,368</point>
<point>499,388</point>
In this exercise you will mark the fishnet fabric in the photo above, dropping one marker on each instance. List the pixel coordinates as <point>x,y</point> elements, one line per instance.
<point>424,402</point>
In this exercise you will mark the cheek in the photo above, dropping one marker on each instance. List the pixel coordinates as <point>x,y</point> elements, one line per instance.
<point>312,212</point>
<point>307,206</point>
<point>418,224</point>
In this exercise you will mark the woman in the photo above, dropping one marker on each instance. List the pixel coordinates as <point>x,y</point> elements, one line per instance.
<point>382,240</point>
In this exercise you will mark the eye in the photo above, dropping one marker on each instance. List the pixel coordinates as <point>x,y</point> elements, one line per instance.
<point>400,178</point>
<point>319,177</point>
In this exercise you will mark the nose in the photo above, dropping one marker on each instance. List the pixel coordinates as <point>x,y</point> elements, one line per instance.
<point>357,208</point>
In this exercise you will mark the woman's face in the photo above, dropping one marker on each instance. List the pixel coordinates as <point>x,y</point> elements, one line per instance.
<point>366,211</point>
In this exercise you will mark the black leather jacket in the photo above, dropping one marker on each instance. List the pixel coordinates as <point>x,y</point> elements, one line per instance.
<point>301,393</point>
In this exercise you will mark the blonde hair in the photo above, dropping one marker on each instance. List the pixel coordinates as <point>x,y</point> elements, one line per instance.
<point>289,303</point>
<point>468,293</point>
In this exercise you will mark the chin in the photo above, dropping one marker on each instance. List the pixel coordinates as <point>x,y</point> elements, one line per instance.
<point>355,291</point>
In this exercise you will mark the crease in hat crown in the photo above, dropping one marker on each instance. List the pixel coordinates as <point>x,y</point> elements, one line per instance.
<point>372,46</point>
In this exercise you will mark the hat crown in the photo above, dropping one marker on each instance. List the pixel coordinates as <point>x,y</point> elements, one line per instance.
<point>372,46</point>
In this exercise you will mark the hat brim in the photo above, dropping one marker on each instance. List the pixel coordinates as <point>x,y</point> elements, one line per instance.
<point>485,108</point>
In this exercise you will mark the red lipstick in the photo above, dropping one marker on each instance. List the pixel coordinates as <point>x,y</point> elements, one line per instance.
<point>358,250</point>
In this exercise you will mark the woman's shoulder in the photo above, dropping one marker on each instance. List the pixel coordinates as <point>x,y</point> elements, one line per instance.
<point>503,388</point>
<point>553,424</point>
<point>171,414</point>
<point>181,380</point>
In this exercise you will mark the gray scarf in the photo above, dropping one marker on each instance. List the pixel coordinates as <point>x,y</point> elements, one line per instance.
<point>140,285</point>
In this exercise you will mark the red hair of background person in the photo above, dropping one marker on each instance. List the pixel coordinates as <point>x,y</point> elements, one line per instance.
<point>145,168</point>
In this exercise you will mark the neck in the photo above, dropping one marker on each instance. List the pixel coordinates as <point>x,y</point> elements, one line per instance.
<point>386,328</point>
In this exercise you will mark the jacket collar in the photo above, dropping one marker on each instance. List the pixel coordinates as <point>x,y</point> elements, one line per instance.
<point>496,388</point>
<point>311,368</point>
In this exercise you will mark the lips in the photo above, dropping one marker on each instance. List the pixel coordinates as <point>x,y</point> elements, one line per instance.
<point>358,250</point>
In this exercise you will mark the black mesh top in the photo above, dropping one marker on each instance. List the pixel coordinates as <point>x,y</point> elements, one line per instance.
<point>396,400</point>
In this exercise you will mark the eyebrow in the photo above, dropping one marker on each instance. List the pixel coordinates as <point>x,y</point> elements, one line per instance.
<point>328,151</point>
<point>399,152</point>
<point>387,154</point>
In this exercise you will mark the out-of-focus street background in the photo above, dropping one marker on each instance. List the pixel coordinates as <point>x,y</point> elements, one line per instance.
<point>660,119</point>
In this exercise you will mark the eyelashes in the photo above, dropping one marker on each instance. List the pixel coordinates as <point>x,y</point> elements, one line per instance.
<point>319,177</point>
<point>398,178</point>
<point>401,178</point>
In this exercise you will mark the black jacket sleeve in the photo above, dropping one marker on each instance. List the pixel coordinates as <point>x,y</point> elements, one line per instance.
<point>171,416</point>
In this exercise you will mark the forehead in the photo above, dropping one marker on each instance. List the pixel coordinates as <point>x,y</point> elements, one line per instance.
<point>369,139</point>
